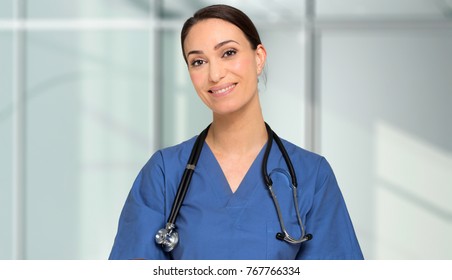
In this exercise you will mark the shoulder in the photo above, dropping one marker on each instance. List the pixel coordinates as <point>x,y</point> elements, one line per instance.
<point>181,150</point>
<point>308,163</point>
<point>163,167</point>
<point>170,156</point>
<point>301,155</point>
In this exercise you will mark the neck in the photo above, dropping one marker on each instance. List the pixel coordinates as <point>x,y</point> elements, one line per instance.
<point>239,133</point>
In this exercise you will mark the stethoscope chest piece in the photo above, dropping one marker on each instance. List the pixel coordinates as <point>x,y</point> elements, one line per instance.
<point>167,237</point>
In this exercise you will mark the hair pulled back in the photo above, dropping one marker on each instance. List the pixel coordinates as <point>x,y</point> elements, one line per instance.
<point>226,13</point>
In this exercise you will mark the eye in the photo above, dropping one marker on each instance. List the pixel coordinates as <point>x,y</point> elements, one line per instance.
<point>197,62</point>
<point>230,52</point>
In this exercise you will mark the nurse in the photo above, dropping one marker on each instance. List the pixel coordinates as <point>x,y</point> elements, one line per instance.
<point>228,212</point>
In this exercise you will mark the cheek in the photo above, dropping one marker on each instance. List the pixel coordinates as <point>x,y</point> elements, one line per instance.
<point>197,78</point>
<point>244,67</point>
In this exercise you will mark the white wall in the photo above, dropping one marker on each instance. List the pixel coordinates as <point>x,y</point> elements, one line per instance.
<point>385,126</point>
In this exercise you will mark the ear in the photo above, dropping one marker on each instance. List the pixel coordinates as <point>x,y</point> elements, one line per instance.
<point>261,57</point>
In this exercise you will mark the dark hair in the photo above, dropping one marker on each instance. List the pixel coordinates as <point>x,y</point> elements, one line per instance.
<point>226,13</point>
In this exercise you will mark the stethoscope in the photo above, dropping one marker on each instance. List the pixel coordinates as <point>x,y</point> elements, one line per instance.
<point>168,237</point>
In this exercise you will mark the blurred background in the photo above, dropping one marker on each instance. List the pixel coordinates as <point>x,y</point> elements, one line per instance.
<point>89,89</point>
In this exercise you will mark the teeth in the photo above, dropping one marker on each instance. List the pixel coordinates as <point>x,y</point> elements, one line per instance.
<point>223,89</point>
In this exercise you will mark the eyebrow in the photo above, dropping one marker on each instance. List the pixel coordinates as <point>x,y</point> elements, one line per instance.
<point>217,46</point>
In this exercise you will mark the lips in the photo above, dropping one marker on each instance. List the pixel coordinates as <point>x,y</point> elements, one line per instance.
<point>222,90</point>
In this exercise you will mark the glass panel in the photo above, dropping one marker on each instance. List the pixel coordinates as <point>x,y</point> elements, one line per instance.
<point>385,127</point>
<point>87,123</point>
<point>384,8</point>
<point>6,145</point>
<point>6,9</point>
<point>283,95</point>
<point>87,9</point>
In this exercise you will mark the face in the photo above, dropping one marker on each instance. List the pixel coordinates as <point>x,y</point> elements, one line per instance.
<point>223,66</point>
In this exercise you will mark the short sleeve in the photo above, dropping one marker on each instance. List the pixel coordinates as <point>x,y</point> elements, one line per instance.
<point>329,222</point>
<point>143,215</point>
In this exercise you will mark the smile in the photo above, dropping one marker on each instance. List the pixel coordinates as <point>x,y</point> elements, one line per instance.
<point>222,91</point>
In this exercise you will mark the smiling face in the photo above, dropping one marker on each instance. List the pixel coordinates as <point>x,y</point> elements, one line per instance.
<point>222,65</point>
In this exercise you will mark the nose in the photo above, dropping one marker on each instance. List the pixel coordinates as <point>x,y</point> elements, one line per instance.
<point>216,71</point>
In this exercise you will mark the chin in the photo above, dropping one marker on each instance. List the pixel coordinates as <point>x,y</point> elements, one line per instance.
<point>225,111</point>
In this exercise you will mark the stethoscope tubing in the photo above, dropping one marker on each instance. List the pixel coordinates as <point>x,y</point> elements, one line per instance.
<point>273,136</point>
<point>168,237</point>
<point>284,235</point>
<point>186,177</point>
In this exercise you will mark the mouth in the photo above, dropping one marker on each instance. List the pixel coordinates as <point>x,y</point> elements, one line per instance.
<point>222,90</point>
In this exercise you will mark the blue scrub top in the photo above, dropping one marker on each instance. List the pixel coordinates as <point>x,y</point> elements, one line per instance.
<point>215,223</point>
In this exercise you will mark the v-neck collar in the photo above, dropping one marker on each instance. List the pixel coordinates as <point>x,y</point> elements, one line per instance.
<point>220,185</point>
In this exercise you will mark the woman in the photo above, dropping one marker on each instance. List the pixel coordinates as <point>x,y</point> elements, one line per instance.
<point>228,212</point>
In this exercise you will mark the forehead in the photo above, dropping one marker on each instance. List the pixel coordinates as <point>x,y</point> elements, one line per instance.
<point>209,32</point>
